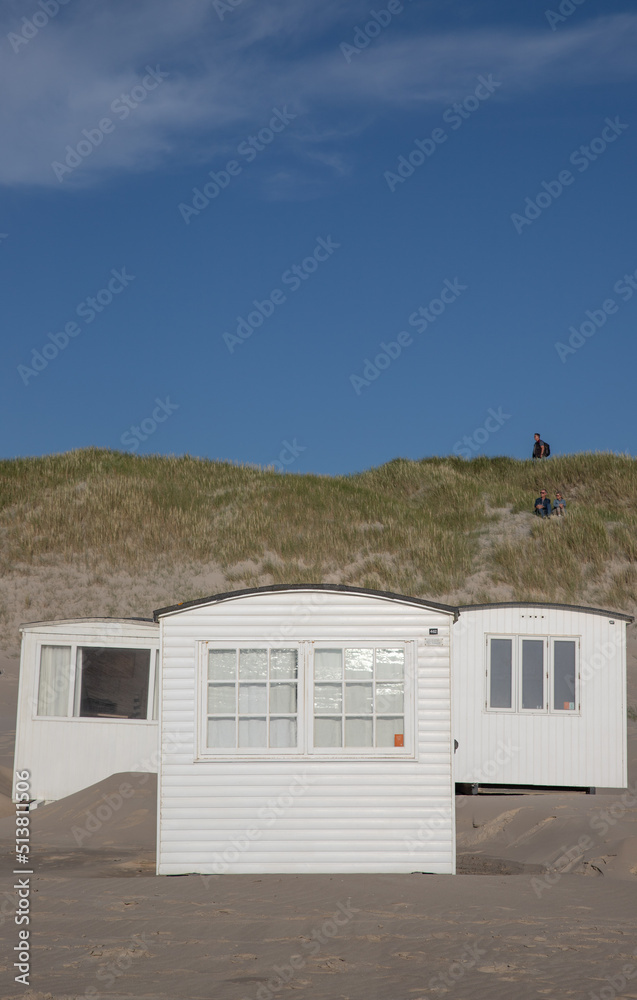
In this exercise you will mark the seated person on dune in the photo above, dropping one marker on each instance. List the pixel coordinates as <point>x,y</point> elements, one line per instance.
<point>559,504</point>
<point>543,505</point>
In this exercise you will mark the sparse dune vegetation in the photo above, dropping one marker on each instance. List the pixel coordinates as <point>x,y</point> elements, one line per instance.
<point>96,532</point>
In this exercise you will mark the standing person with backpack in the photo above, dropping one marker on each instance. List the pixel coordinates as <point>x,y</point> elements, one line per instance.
<point>540,448</point>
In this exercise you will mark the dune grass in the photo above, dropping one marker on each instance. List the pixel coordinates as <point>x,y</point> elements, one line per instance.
<point>412,527</point>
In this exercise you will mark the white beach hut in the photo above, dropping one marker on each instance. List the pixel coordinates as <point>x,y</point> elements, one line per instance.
<point>306,729</point>
<point>87,702</point>
<point>540,695</point>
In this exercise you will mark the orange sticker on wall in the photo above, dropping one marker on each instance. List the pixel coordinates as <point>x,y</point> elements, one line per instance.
<point>399,740</point>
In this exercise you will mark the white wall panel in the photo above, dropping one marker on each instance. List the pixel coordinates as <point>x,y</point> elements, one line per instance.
<point>67,754</point>
<point>365,815</point>
<point>581,749</point>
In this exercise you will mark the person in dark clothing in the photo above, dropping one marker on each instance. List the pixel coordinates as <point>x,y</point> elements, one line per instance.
<point>543,505</point>
<point>539,447</point>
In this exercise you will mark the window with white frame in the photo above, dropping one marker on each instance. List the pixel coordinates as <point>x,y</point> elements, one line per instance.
<point>105,682</point>
<point>307,698</point>
<point>532,673</point>
<point>359,697</point>
<point>252,698</point>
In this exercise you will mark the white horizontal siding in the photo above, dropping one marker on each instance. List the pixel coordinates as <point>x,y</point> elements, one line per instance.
<point>587,749</point>
<point>361,815</point>
<point>67,754</point>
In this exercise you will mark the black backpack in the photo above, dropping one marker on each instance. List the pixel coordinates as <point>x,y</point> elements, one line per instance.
<point>547,449</point>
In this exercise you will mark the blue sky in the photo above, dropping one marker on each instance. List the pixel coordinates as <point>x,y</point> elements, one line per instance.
<point>347,183</point>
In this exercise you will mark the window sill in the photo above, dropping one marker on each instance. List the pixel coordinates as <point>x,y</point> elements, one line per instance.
<point>319,756</point>
<point>94,719</point>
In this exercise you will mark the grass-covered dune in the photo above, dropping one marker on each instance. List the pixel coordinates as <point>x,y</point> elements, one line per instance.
<point>102,532</point>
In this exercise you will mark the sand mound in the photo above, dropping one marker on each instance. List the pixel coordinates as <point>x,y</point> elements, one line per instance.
<point>105,831</point>
<point>118,812</point>
<point>553,832</point>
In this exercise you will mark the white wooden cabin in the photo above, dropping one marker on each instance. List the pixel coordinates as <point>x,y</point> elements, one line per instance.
<point>311,728</point>
<point>540,695</point>
<point>87,702</point>
<point>306,729</point>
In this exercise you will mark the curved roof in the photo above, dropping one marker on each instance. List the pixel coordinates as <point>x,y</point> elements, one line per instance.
<point>289,587</point>
<point>555,607</point>
<point>79,621</point>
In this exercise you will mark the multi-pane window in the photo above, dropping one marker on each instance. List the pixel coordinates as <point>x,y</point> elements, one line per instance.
<point>306,699</point>
<point>88,682</point>
<point>359,697</point>
<point>531,673</point>
<point>252,698</point>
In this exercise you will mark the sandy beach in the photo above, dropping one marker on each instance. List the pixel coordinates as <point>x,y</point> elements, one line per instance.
<point>543,905</point>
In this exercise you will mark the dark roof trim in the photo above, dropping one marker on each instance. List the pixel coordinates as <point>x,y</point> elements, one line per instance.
<point>286,588</point>
<point>554,607</point>
<point>77,621</point>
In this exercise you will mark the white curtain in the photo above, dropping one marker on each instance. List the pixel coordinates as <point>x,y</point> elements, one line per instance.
<point>222,733</point>
<point>252,699</point>
<point>283,699</point>
<point>222,698</point>
<point>327,733</point>
<point>282,732</point>
<point>253,733</point>
<point>388,729</point>
<point>156,687</point>
<point>358,733</point>
<point>55,679</point>
<point>358,698</point>
<point>389,698</point>
<point>328,698</point>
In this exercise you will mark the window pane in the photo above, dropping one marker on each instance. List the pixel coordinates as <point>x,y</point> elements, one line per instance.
<point>327,733</point>
<point>252,698</point>
<point>222,698</point>
<point>222,664</point>
<point>55,679</point>
<point>564,675</point>
<point>328,698</point>
<point>114,683</point>
<point>283,664</point>
<point>359,664</point>
<point>283,698</point>
<point>389,698</point>
<point>222,733</point>
<point>388,729</point>
<point>253,664</point>
<point>358,698</point>
<point>358,732</point>
<point>283,733</point>
<point>500,674</point>
<point>390,664</point>
<point>328,664</point>
<point>532,673</point>
<point>253,733</point>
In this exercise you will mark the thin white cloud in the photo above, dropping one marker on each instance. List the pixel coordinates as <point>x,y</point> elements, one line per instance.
<point>224,77</point>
